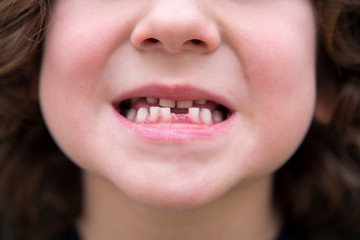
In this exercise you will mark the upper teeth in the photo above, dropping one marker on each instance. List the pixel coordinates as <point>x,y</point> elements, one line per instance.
<point>184,104</point>
<point>151,100</point>
<point>200,102</point>
<point>173,103</point>
<point>166,103</point>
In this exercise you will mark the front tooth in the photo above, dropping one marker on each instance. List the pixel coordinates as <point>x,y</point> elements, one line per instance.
<point>200,102</point>
<point>131,114</point>
<point>167,103</point>
<point>154,114</point>
<point>184,104</point>
<point>206,116</point>
<point>194,115</point>
<point>151,100</point>
<point>218,116</point>
<point>141,115</point>
<point>165,114</point>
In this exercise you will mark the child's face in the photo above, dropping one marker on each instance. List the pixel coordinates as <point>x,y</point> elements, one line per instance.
<point>254,57</point>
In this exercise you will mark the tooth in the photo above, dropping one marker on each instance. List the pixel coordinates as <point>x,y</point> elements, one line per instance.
<point>200,101</point>
<point>205,115</point>
<point>141,115</point>
<point>165,114</point>
<point>194,115</point>
<point>184,104</point>
<point>135,100</point>
<point>217,116</point>
<point>151,100</point>
<point>131,114</point>
<point>166,103</point>
<point>154,114</point>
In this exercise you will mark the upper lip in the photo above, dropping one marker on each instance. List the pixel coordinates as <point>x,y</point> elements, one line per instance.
<point>174,92</point>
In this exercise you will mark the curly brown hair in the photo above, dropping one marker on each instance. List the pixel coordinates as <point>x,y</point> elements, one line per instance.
<point>40,189</point>
<point>318,188</point>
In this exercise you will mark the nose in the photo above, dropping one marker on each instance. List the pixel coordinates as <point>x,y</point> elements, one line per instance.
<point>176,26</point>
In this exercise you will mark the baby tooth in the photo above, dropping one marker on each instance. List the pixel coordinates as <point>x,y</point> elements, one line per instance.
<point>131,114</point>
<point>135,100</point>
<point>166,103</point>
<point>151,100</point>
<point>141,115</point>
<point>217,115</point>
<point>194,115</point>
<point>206,116</point>
<point>154,114</point>
<point>200,101</point>
<point>184,104</point>
<point>165,114</point>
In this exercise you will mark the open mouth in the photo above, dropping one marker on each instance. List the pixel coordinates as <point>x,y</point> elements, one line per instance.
<point>152,110</point>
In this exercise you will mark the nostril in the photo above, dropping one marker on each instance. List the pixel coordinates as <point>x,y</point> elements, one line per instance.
<point>197,42</point>
<point>151,40</point>
<point>151,43</point>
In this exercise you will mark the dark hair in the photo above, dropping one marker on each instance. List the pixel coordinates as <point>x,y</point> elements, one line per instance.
<point>40,190</point>
<point>318,188</point>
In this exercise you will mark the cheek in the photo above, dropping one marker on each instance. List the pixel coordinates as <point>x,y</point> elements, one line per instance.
<point>81,37</point>
<point>282,80</point>
<point>282,75</point>
<point>284,98</point>
<point>74,51</point>
<point>78,44</point>
<point>278,61</point>
<point>279,70</point>
<point>68,82</point>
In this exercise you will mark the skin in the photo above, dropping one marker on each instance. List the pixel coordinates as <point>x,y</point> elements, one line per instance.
<point>259,55</point>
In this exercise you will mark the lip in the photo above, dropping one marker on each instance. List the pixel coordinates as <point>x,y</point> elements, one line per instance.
<point>174,132</point>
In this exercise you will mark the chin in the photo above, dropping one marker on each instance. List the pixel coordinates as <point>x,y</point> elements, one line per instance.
<point>176,199</point>
<point>182,194</point>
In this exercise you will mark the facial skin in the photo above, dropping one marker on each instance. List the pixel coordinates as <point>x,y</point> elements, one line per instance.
<point>258,56</point>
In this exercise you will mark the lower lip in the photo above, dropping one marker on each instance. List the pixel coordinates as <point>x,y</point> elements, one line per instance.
<point>176,132</point>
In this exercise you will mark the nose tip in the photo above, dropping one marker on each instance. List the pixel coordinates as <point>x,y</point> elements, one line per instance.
<point>175,29</point>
